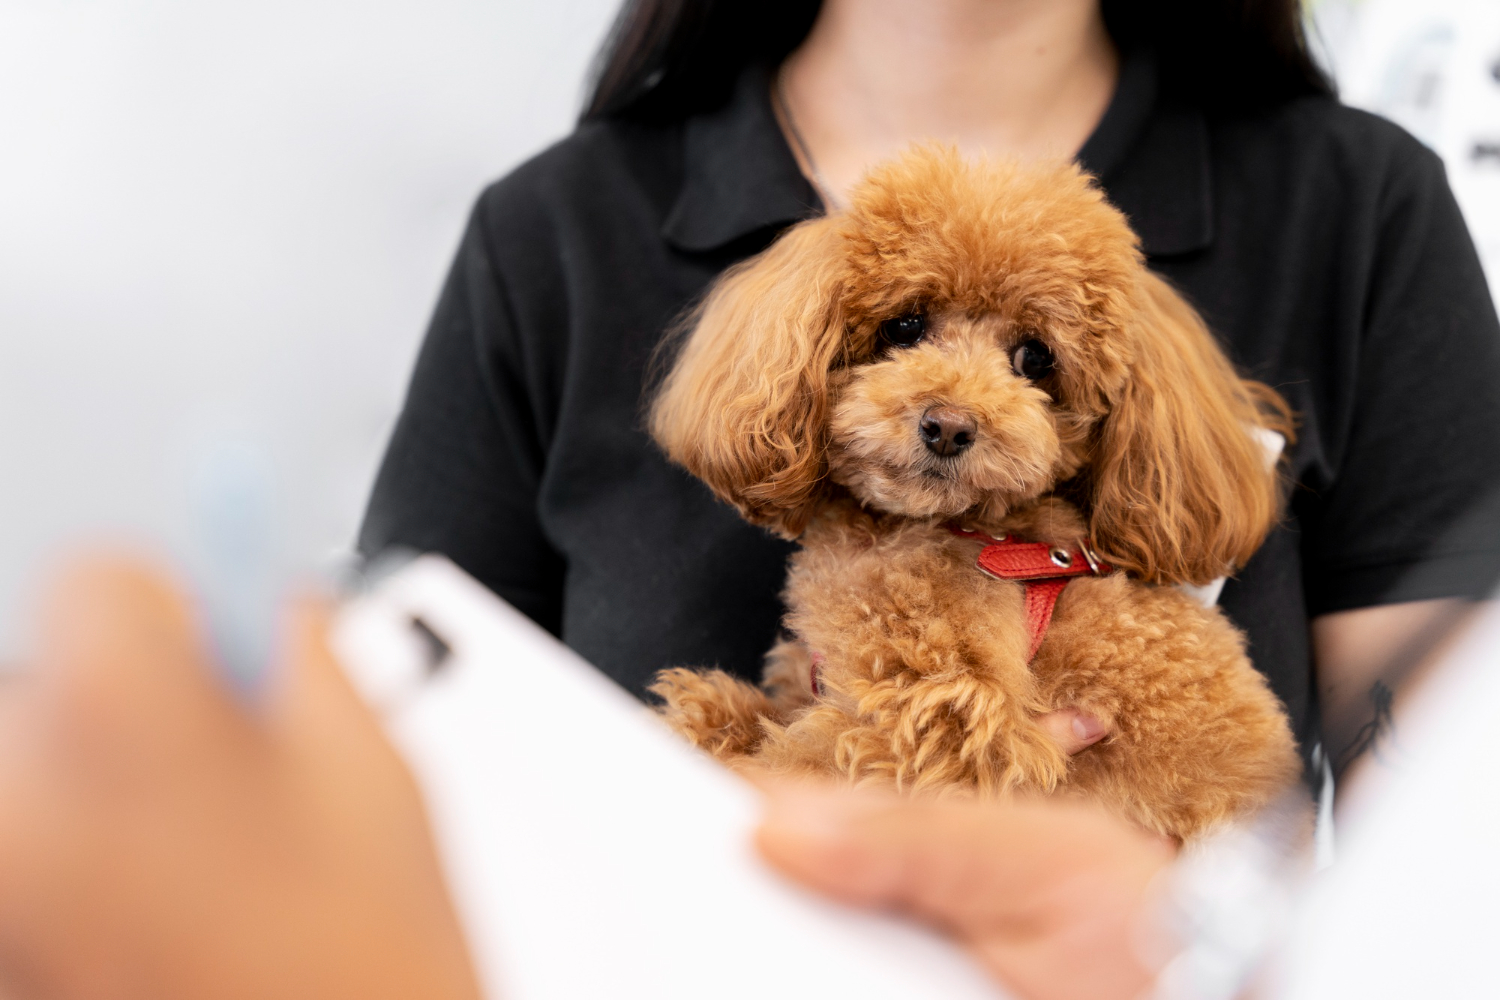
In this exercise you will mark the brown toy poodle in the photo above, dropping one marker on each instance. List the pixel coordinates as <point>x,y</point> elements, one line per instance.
<point>1000,440</point>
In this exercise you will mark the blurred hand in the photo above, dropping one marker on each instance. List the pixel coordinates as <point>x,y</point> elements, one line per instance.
<point>158,839</point>
<point>1050,895</point>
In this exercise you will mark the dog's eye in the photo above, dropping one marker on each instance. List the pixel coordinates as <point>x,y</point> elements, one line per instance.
<point>904,331</point>
<point>1032,360</point>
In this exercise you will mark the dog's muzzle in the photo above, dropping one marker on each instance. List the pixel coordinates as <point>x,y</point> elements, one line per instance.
<point>947,430</point>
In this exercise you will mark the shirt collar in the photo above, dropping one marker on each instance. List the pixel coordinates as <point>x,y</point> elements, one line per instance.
<point>739,174</point>
<point>1151,156</point>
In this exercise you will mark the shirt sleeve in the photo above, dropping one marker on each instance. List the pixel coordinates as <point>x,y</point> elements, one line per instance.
<point>463,468</point>
<point>1411,512</point>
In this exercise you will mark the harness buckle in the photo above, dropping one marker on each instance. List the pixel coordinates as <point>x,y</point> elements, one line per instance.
<point>1090,556</point>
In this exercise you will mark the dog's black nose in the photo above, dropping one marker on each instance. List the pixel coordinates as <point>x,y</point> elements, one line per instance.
<point>946,430</point>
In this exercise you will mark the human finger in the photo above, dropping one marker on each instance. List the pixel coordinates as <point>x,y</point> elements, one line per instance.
<point>401,934</point>
<point>112,709</point>
<point>813,833</point>
<point>1048,894</point>
<point>1073,729</point>
<point>119,649</point>
<point>105,609</point>
<point>124,673</point>
<point>316,709</point>
<point>874,849</point>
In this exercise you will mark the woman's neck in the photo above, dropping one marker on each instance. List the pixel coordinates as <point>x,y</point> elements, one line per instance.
<point>1024,78</point>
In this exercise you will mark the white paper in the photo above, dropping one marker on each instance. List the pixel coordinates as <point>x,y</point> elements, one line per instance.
<point>591,853</point>
<point>1408,909</point>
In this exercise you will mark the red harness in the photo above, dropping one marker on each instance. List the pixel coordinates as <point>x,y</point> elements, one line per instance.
<point>1044,570</point>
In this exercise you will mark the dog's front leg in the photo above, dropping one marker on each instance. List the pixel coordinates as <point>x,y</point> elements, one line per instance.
<point>714,711</point>
<point>1197,738</point>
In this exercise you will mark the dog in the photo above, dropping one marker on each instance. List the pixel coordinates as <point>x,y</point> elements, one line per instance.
<point>1001,441</point>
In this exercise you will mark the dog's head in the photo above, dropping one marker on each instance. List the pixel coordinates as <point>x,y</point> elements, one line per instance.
<point>971,337</point>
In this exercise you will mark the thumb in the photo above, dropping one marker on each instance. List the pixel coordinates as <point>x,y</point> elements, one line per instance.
<point>110,612</point>
<point>121,652</point>
<point>952,861</point>
<point>1048,894</point>
<point>313,700</point>
<point>1072,729</point>
<point>878,850</point>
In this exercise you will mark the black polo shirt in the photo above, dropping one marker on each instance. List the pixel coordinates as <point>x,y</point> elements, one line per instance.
<point>1321,244</point>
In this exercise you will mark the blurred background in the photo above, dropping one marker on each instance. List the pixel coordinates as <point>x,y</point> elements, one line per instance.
<point>222,226</point>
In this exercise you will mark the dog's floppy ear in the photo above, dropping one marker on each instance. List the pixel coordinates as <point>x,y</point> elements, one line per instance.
<point>1182,489</point>
<point>745,406</point>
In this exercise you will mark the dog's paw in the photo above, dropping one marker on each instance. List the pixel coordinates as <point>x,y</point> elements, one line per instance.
<point>714,711</point>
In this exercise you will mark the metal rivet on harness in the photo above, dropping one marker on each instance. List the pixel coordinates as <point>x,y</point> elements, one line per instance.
<point>1062,557</point>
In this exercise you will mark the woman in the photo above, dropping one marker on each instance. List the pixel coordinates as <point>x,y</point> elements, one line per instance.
<point>1321,244</point>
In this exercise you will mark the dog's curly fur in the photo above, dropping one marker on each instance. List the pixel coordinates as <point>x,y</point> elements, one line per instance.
<point>788,403</point>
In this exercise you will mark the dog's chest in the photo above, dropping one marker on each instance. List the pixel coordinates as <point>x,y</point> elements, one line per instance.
<point>916,584</point>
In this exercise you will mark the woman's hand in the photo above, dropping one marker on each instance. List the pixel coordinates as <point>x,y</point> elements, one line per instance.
<point>157,839</point>
<point>1052,896</point>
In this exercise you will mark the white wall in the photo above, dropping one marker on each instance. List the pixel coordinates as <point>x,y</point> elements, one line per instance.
<point>222,227</point>
<point>1432,66</point>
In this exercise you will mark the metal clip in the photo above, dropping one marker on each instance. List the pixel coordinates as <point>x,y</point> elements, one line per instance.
<point>1090,556</point>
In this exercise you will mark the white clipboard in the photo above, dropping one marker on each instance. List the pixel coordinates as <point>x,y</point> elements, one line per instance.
<point>591,853</point>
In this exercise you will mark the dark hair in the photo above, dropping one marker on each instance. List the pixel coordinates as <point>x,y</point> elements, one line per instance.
<point>665,59</point>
